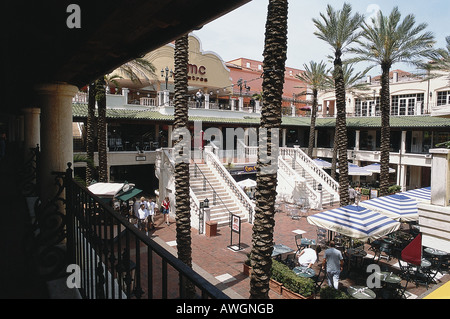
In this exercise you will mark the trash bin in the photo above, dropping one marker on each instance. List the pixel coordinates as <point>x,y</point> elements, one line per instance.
<point>211,228</point>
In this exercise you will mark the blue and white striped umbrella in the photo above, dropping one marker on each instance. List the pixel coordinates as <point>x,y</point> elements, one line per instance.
<point>397,206</point>
<point>420,194</point>
<point>355,221</point>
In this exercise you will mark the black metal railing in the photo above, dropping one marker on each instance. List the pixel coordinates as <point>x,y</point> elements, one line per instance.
<point>116,260</point>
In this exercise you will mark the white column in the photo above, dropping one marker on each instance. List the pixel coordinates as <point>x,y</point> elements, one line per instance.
<point>206,101</point>
<point>32,125</point>
<point>440,177</point>
<point>55,100</point>
<point>169,136</point>
<point>401,169</point>
<point>284,137</point>
<point>241,103</point>
<point>125,94</point>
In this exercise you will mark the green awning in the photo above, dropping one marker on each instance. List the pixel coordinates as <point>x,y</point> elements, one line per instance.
<point>129,194</point>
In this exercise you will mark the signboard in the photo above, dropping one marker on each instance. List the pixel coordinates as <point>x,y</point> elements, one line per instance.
<point>235,224</point>
<point>373,193</point>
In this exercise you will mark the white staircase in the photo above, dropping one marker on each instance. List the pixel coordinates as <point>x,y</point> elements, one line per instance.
<point>205,184</point>
<point>312,174</point>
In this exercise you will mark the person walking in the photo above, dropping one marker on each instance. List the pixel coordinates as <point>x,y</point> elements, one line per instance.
<point>151,211</point>
<point>166,209</point>
<point>351,194</point>
<point>333,262</point>
<point>143,218</point>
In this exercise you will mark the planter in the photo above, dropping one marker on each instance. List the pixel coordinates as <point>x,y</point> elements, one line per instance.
<point>288,294</point>
<point>364,197</point>
<point>247,270</point>
<point>276,286</point>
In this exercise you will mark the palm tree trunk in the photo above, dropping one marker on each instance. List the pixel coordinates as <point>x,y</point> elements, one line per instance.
<point>334,159</point>
<point>101,133</point>
<point>341,130</point>
<point>90,133</point>
<point>275,48</point>
<point>385,130</point>
<point>182,196</point>
<point>312,128</point>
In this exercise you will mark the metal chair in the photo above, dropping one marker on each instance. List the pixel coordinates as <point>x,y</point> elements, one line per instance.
<point>385,248</point>
<point>298,242</point>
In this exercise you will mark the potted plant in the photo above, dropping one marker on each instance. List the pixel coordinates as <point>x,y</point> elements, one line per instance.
<point>331,293</point>
<point>293,286</point>
<point>365,193</point>
<point>394,189</point>
<point>247,267</point>
<point>277,277</point>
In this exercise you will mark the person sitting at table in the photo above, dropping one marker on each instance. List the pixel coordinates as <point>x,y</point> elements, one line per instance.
<point>307,257</point>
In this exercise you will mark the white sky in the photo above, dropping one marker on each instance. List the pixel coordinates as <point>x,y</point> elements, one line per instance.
<point>240,33</point>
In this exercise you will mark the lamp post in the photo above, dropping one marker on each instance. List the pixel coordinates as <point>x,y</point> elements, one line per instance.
<point>201,219</point>
<point>166,75</point>
<point>319,188</point>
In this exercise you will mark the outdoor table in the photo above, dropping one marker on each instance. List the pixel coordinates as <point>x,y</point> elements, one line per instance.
<point>390,283</point>
<point>361,292</point>
<point>388,277</point>
<point>305,242</point>
<point>438,257</point>
<point>280,249</point>
<point>304,271</point>
<point>356,257</point>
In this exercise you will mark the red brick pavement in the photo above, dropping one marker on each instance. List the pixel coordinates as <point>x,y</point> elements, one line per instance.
<point>213,255</point>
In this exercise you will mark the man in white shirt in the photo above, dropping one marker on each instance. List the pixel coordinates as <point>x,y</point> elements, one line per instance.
<point>307,257</point>
<point>142,215</point>
<point>151,211</point>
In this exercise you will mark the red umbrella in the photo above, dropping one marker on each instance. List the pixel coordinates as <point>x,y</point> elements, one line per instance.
<point>413,252</point>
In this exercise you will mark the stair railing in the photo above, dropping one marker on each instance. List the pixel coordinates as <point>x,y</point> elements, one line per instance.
<point>231,183</point>
<point>312,168</point>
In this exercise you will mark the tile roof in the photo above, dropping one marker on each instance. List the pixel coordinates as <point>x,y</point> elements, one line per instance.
<point>80,111</point>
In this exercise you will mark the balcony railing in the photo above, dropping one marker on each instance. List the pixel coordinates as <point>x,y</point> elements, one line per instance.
<point>117,260</point>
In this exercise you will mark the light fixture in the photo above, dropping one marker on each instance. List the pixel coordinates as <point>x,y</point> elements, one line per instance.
<point>206,203</point>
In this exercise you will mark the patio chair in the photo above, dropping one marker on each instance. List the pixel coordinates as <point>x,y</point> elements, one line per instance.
<point>387,249</point>
<point>319,279</point>
<point>294,214</point>
<point>298,242</point>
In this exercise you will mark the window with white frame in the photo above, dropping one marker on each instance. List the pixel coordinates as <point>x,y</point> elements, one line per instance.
<point>443,98</point>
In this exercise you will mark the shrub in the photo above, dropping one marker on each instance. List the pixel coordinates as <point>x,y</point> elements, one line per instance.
<point>394,189</point>
<point>284,275</point>
<point>331,293</point>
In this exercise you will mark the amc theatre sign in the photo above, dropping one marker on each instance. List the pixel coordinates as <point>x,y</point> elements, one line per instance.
<point>197,73</point>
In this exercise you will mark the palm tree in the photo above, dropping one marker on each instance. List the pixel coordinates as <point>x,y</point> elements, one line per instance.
<point>315,76</point>
<point>387,40</point>
<point>275,48</point>
<point>136,70</point>
<point>90,132</point>
<point>183,207</point>
<point>340,29</point>
<point>353,85</point>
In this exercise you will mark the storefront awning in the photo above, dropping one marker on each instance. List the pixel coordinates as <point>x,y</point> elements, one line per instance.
<point>129,194</point>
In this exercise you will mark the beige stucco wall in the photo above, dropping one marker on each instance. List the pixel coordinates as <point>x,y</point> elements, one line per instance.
<point>208,70</point>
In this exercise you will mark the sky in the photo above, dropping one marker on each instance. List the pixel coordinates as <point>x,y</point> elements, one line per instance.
<point>240,33</point>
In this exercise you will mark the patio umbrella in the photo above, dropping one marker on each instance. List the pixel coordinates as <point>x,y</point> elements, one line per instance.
<point>398,207</point>
<point>420,194</point>
<point>247,183</point>
<point>375,168</point>
<point>413,252</point>
<point>355,221</point>
<point>322,163</point>
<point>355,170</point>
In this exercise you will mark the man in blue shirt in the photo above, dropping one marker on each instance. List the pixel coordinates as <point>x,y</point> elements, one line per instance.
<point>334,262</point>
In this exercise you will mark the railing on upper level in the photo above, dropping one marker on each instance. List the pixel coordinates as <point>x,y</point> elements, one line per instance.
<point>117,260</point>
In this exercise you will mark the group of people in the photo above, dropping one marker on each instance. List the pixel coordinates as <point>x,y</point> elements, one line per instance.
<point>144,210</point>
<point>332,264</point>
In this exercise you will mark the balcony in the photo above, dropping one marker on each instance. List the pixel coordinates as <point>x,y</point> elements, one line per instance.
<point>110,258</point>
<point>440,110</point>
